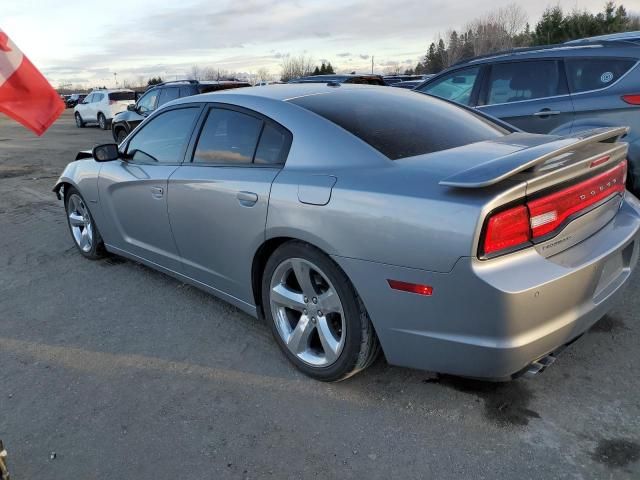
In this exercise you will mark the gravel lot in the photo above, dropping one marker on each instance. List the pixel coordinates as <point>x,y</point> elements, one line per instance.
<point>111,370</point>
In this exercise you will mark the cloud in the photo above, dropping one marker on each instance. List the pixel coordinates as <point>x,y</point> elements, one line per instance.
<point>364,56</point>
<point>342,55</point>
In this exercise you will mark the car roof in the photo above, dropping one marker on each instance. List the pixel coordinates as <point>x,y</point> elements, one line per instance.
<point>281,91</point>
<point>618,48</point>
<point>626,36</point>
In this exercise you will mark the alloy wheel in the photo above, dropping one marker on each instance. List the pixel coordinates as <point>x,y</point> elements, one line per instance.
<point>307,312</point>
<point>80,222</point>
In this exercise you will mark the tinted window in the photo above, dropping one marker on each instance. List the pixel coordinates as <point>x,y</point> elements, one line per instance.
<point>592,74</point>
<point>399,123</point>
<point>186,91</point>
<point>147,102</point>
<point>512,82</point>
<point>164,137</point>
<point>228,137</point>
<point>167,94</point>
<point>457,86</point>
<point>118,96</point>
<point>273,145</point>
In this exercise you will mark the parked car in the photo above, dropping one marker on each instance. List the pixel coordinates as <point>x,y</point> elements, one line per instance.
<point>74,99</point>
<point>158,95</point>
<point>393,79</point>
<point>348,78</point>
<point>560,90</point>
<point>409,84</point>
<point>354,218</point>
<point>101,106</point>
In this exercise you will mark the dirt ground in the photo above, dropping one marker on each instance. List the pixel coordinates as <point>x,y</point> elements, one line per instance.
<point>111,370</point>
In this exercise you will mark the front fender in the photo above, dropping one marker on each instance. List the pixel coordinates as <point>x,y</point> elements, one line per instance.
<point>82,175</point>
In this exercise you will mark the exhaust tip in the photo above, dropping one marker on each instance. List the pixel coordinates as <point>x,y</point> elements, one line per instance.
<point>539,366</point>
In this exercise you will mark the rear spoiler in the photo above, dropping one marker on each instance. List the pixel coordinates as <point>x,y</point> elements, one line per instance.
<point>498,169</point>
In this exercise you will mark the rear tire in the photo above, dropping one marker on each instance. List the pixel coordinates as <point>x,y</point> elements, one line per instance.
<point>82,227</point>
<point>329,346</point>
<point>102,121</point>
<point>79,121</point>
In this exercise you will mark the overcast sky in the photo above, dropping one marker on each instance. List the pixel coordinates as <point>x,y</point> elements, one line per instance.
<point>86,41</point>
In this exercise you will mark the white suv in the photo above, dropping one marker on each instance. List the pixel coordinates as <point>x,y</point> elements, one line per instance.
<point>100,106</point>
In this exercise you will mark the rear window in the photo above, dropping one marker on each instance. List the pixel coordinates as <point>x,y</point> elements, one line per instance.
<point>399,123</point>
<point>595,73</point>
<point>118,96</point>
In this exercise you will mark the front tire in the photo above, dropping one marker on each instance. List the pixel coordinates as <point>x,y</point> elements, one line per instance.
<point>121,134</point>
<point>102,121</point>
<point>79,121</point>
<point>315,314</point>
<point>82,227</point>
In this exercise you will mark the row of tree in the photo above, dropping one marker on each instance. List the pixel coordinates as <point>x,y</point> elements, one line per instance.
<point>507,28</point>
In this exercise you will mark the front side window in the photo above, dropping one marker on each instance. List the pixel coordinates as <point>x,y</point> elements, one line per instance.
<point>517,81</point>
<point>87,99</point>
<point>164,138</point>
<point>228,137</point>
<point>168,94</point>
<point>457,86</point>
<point>586,74</point>
<point>97,97</point>
<point>147,103</point>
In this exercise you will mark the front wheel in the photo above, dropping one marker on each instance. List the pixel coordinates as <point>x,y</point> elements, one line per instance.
<point>315,314</point>
<point>121,134</point>
<point>79,121</point>
<point>82,227</point>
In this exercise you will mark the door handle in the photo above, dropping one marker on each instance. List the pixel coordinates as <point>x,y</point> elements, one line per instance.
<point>546,112</point>
<point>157,192</point>
<point>247,199</point>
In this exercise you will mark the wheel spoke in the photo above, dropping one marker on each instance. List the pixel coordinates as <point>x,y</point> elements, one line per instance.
<point>329,302</point>
<point>330,345</point>
<point>298,341</point>
<point>84,239</point>
<point>302,271</point>
<point>284,296</point>
<point>76,220</point>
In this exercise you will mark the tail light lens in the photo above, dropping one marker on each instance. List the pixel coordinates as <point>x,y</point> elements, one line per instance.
<point>112,102</point>
<point>633,99</point>
<point>541,218</point>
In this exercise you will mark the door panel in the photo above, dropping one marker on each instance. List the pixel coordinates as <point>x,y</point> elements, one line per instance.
<point>535,116</point>
<point>134,208</point>
<point>218,216</point>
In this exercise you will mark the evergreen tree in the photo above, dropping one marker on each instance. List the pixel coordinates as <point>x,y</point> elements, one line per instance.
<point>329,69</point>
<point>316,71</point>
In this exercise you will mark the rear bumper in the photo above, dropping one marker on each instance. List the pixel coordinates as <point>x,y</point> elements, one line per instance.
<point>491,319</point>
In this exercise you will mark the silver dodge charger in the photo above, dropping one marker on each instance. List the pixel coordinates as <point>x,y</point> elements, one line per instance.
<point>355,219</point>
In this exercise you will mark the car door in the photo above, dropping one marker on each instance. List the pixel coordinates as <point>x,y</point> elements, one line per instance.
<point>133,191</point>
<point>84,107</point>
<point>459,86</point>
<point>94,106</point>
<point>218,201</point>
<point>531,95</point>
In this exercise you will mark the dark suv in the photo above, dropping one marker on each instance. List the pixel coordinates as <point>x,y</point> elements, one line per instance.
<point>157,95</point>
<point>559,89</point>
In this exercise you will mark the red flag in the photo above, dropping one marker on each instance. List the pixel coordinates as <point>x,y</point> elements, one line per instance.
<point>25,95</point>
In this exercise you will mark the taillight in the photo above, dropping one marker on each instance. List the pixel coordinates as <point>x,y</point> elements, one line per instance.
<point>539,219</point>
<point>112,102</point>
<point>506,230</point>
<point>633,99</point>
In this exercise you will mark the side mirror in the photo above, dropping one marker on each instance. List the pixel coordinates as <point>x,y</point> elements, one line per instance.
<point>131,107</point>
<point>106,152</point>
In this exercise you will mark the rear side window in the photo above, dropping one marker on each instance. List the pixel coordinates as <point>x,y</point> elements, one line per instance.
<point>228,137</point>
<point>516,81</point>
<point>164,138</point>
<point>119,96</point>
<point>457,86</point>
<point>186,92</point>
<point>586,74</point>
<point>167,94</point>
<point>399,123</point>
<point>273,146</point>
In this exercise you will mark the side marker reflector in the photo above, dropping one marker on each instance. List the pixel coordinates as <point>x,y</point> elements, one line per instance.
<point>426,290</point>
